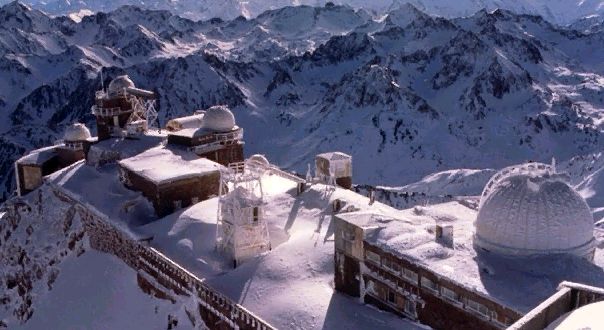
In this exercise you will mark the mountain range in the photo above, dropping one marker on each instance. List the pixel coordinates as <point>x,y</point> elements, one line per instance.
<point>561,12</point>
<point>407,94</point>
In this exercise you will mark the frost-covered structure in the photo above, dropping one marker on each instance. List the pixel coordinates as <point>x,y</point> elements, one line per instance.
<point>531,209</point>
<point>335,166</point>
<point>123,109</point>
<point>242,230</point>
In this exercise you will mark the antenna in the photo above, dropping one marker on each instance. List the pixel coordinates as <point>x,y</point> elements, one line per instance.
<point>102,82</point>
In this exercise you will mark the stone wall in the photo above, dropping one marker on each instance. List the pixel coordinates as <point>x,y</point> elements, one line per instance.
<point>217,310</point>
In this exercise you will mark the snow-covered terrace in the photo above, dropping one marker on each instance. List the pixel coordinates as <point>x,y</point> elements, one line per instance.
<point>291,286</point>
<point>38,156</point>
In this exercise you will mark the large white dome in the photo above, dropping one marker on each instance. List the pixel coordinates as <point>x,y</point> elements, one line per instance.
<point>76,132</point>
<point>218,119</point>
<point>529,210</point>
<point>119,84</point>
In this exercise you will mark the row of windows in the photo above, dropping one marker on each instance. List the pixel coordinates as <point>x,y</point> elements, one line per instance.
<point>393,266</point>
<point>446,293</point>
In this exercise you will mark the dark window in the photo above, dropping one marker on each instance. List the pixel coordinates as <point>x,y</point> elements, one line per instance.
<point>255,214</point>
<point>391,297</point>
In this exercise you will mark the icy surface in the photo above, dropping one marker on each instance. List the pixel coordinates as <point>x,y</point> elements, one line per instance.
<point>292,285</point>
<point>162,164</point>
<point>99,291</point>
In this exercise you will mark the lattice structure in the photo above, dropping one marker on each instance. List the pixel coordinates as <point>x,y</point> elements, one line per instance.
<point>143,115</point>
<point>123,109</point>
<point>242,230</point>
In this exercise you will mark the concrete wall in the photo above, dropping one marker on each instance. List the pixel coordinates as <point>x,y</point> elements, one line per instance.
<point>231,153</point>
<point>164,196</point>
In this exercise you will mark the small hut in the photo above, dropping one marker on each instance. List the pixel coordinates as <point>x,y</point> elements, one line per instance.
<point>337,165</point>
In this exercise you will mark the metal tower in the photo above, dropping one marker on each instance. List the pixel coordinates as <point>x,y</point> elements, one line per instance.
<point>242,230</point>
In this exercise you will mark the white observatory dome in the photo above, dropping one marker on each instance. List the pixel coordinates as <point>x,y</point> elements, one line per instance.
<point>119,84</point>
<point>260,159</point>
<point>531,210</point>
<point>76,132</point>
<point>218,119</point>
<point>582,318</point>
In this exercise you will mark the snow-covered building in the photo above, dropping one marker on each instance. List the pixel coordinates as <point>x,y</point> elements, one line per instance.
<point>171,179</point>
<point>530,210</point>
<point>76,143</point>
<point>31,168</point>
<point>242,230</point>
<point>211,134</point>
<point>336,165</point>
<point>123,109</point>
<point>472,264</point>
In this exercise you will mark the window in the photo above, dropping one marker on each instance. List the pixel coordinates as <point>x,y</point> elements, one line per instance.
<point>410,275</point>
<point>373,257</point>
<point>392,265</point>
<point>348,235</point>
<point>410,307</point>
<point>450,295</point>
<point>391,297</point>
<point>428,284</point>
<point>255,215</point>
<point>177,205</point>
<point>478,308</point>
<point>194,200</point>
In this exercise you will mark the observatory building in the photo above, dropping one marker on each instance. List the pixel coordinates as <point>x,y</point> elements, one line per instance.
<point>76,143</point>
<point>31,168</point>
<point>532,210</point>
<point>472,265</point>
<point>212,134</point>
<point>336,165</point>
<point>123,109</point>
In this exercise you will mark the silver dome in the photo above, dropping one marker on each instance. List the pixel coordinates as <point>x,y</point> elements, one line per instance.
<point>531,210</point>
<point>218,119</point>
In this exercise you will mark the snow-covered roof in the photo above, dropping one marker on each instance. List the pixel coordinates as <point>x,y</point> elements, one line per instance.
<point>120,148</point>
<point>38,156</point>
<point>534,212</point>
<point>259,159</point>
<point>191,122</point>
<point>518,283</point>
<point>162,165</point>
<point>118,84</point>
<point>336,155</point>
<point>76,132</point>
<point>218,119</point>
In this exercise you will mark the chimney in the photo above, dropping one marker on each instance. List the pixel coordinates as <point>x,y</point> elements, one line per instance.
<point>444,235</point>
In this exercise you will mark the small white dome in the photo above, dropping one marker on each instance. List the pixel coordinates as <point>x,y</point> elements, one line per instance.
<point>531,210</point>
<point>260,159</point>
<point>218,119</point>
<point>582,318</point>
<point>76,132</point>
<point>119,83</point>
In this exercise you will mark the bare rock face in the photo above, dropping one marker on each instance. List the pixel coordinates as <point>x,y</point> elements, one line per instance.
<point>36,235</point>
